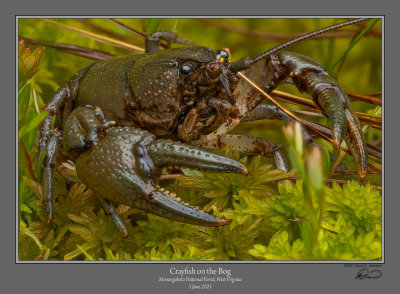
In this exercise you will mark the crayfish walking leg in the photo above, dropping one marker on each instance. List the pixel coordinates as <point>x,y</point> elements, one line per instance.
<point>49,140</point>
<point>251,145</point>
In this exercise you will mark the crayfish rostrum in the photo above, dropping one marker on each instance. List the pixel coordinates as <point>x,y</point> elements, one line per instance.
<point>123,119</point>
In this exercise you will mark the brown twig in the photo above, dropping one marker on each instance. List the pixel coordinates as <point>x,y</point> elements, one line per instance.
<point>336,163</point>
<point>327,131</point>
<point>340,182</point>
<point>95,36</point>
<point>170,176</point>
<point>379,93</point>
<point>306,103</point>
<point>129,29</point>
<point>349,172</point>
<point>72,49</point>
<point>99,29</point>
<point>365,98</point>
<point>135,32</point>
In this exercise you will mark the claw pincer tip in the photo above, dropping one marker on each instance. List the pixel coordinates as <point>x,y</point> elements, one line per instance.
<point>163,203</point>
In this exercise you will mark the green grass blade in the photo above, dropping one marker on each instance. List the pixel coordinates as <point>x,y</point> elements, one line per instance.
<point>23,101</point>
<point>352,44</point>
<point>330,48</point>
<point>152,25</point>
<point>33,236</point>
<point>175,25</point>
<point>85,253</point>
<point>34,123</point>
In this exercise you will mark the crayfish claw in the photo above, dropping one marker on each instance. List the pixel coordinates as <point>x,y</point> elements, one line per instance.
<point>170,153</point>
<point>344,122</point>
<point>164,204</point>
<point>355,143</point>
<point>309,76</point>
<point>125,162</point>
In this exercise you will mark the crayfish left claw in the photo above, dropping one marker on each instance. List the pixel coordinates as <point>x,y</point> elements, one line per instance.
<point>121,164</point>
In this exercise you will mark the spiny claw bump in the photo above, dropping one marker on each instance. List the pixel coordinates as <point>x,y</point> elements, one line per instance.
<point>169,153</point>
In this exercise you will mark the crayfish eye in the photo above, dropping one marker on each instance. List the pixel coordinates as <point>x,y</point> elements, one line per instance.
<point>187,68</point>
<point>223,55</point>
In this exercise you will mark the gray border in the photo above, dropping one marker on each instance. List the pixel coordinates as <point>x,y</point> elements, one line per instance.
<point>279,277</point>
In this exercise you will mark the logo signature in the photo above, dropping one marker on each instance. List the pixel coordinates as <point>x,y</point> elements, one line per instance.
<point>367,274</point>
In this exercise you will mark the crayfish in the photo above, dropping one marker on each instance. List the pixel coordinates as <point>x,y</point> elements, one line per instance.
<point>123,119</point>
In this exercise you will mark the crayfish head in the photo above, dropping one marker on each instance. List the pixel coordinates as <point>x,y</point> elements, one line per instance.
<point>215,76</point>
<point>212,85</point>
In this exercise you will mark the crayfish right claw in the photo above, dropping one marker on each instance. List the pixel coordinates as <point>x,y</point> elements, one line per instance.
<point>355,142</point>
<point>308,75</point>
<point>344,122</point>
<point>331,98</point>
